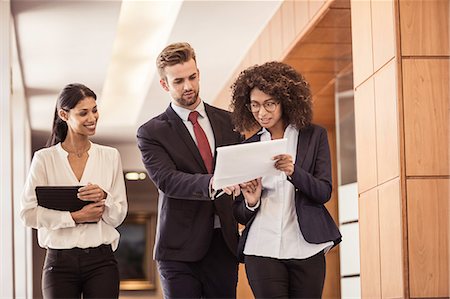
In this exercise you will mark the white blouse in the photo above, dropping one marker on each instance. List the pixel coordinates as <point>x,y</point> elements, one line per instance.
<point>56,229</point>
<point>275,232</point>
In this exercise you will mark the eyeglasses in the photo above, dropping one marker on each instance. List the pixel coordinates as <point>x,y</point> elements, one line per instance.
<point>269,106</point>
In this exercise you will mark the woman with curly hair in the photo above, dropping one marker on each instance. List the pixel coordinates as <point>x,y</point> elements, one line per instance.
<point>288,230</point>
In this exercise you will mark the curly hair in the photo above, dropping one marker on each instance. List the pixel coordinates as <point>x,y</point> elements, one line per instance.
<point>280,81</point>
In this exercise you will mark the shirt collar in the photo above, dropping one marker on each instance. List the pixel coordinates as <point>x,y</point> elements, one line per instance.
<point>183,113</point>
<point>290,129</point>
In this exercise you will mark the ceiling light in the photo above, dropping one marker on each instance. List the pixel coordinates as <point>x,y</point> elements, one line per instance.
<point>143,30</point>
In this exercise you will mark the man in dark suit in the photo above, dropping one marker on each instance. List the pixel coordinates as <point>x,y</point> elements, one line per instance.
<point>196,240</point>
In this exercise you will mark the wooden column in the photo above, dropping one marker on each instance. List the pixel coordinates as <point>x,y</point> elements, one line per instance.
<point>401,79</point>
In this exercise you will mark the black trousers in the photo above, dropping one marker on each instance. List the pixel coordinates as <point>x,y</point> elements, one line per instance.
<point>290,278</point>
<point>215,276</point>
<point>68,273</point>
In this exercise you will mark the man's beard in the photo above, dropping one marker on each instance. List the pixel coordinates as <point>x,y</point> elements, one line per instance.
<point>188,102</point>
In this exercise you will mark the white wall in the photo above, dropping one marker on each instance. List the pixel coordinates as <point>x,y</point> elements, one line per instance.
<point>131,156</point>
<point>15,149</point>
<point>6,221</point>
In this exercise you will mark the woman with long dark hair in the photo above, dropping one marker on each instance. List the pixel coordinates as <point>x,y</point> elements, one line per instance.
<point>80,244</point>
<point>288,230</point>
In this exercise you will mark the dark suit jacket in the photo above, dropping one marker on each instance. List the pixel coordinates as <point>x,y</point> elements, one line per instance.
<point>185,210</point>
<point>312,181</point>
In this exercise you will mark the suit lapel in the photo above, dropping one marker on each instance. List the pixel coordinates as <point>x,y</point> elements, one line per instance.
<point>217,130</point>
<point>180,129</point>
<point>215,125</point>
<point>302,147</point>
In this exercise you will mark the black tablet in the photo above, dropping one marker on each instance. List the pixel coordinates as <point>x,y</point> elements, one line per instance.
<point>62,198</point>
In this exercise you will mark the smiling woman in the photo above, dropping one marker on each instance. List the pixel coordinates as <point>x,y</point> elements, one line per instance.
<point>87,236</point>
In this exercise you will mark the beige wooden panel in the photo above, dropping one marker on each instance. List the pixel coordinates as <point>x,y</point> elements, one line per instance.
<point>336,18</point>
<point>246,62</point>
<point>243,288</point>
<point>321,50</point>
<point>424,27</point>
<point>387,123</point>
<point>276,36</point>
<point>365,134</point>
<point>391,252</point>
<point>332,285</point>
<point>317,80</point>
<point>288,23</point>
<point>333,275</point>
<point>332,204</point>
<point>254,54</point>
<point>336,35</point>
<point>265,45</point>
<point>383,32</point>
<point>369,239</point>
<point>426,105</point>
<point>340,4</point>
<point>314,6</point>
<point>361,41</point>
<point>323,111</point>
<point>428,237</point>
<point>301,8</point>
<point>324,65</point>
<point>222,100</point>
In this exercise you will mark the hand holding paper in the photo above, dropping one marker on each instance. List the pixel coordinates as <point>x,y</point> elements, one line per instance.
<point>244,162</point>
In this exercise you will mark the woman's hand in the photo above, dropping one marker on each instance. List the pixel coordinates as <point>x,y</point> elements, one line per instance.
<point>91,192</point>
<point>284,163</point>
<point>252,191</point>
<point>89,213</point>
<point>234,190</point>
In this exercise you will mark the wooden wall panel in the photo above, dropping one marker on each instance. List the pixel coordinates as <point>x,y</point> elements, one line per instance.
<point>325,104</point>
<point>383,32</point>
<point>387,123</point>
<point>332,285</point>
<point>288,23</point>
<point>428,242</point>
<point>276,40</point>
<point>426,109</point>
<point>332,279</point>
<point>301,8</point>
<point>369,245</point>
<point>365,133</point>
<point>362,41</point>
<point>254,55</point>
<point>424,27</point>
<point>265,46</point>
<point>330,35</point>
<point>314,6</point>
<point>391,256</point>
<point>243,289</point>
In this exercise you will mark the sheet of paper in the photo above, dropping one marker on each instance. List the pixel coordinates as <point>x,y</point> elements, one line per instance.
<point>244,162</point>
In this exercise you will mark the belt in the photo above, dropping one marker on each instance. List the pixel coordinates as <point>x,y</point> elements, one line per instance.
<point>104,248</point>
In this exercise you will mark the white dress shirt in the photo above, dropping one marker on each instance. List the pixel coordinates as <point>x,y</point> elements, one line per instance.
<point>203,120</point>
<point>275,232</point>
<point>56,229</point>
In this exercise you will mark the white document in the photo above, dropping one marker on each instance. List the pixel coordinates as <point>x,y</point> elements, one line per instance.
<point>241,163</point>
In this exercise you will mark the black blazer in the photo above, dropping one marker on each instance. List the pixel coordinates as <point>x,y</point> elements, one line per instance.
<point>312,181</point>
<point>185,210</point>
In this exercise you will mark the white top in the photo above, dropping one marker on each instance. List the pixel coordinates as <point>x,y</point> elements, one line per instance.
<point>56,229</point>
<point>275,232</point>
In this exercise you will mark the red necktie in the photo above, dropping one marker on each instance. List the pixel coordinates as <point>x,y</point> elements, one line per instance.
<point>202,141</point>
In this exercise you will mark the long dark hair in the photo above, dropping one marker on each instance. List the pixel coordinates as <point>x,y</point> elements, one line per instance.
<point>67,99</point>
